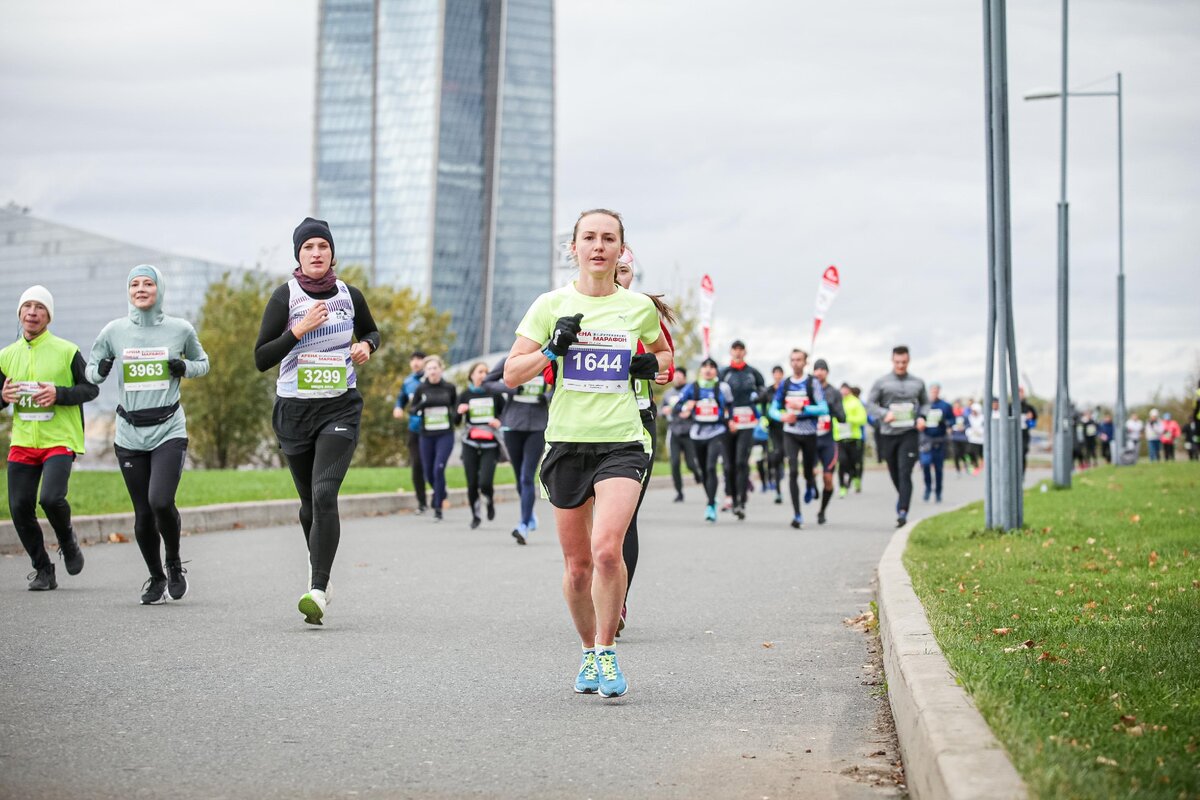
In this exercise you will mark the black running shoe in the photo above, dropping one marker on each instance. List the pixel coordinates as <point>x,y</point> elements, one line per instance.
<point>177,585</point>
<point>491,509</point>
<point>154,591</point>
<point>739,512</point>
<point>42,580</point>
<point>72,555</point>
<point>901,520</point>
<point>421,509</point>
<point>520,532</point>
<point>820,517</point>
<point>678,497</point>
<point>474,522</point>
<point>437,515</point>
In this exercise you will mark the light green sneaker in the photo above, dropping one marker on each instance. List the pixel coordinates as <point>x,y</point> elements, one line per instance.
<point>312,606</point>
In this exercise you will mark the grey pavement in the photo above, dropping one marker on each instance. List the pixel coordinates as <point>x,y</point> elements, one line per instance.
<point>446,665</point>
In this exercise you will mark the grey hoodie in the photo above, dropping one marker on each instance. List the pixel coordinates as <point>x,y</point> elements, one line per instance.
<point>148,329</point>
<point>903,395</point>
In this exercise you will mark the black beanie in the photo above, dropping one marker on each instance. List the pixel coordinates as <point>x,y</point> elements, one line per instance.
<point>309,229</point>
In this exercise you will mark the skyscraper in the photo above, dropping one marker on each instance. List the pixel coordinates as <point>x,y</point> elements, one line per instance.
<point>434,150</point>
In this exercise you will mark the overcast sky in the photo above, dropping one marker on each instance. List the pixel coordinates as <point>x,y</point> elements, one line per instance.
<point>758,142</point>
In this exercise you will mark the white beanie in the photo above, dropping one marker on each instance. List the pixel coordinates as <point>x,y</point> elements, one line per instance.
<point>39,294</point>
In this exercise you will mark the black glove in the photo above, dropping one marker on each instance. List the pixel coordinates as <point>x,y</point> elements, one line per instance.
<point>566,333</point>
<point>644,365</point>
<point>105,366</point>
<point>176,367</point>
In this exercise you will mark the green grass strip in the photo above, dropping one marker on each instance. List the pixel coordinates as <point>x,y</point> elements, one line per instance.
<point>103,492</point>
<point>1079,637</point>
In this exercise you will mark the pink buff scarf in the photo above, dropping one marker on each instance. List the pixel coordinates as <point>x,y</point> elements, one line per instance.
<point>315,285</point>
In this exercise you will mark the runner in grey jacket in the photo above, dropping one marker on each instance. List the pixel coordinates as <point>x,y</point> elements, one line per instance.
<point>151,352</point>
<point>524,421</point>
<point>896,401</point>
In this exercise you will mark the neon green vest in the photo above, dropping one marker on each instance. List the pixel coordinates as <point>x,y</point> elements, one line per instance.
<point>46,359</point>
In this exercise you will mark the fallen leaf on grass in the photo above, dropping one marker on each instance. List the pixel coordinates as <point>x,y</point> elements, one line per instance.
<point>1136,730</point>
<point>1048,656</point>
<point>1091,540</point>
<point>1090,604</point>
<point>118,538</point>
<point>1048,542</point>
<point>1135,519</point>
<point>1002,631</point>
<point>1128,719</point>
<point>1028,644</point>
<point>1108,762</point>
<point>1153,557</point>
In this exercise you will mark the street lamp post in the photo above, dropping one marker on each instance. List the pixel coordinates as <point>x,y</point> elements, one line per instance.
<point>1118,443</point>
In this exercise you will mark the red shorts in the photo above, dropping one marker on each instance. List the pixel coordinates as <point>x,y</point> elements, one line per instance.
<point>36,456</point>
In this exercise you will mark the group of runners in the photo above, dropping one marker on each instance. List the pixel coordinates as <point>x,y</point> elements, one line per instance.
<point>573,396</point>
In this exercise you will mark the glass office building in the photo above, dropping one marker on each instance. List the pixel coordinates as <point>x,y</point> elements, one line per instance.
<point>434,152</point>
<point>86,275</point>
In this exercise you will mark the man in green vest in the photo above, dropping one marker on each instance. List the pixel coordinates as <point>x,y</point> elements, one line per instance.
<point>43,379</point>
<point>849,436</point>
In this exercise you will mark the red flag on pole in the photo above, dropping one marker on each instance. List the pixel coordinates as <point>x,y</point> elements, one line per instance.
<point>826,292</point>
<point>706,313</point>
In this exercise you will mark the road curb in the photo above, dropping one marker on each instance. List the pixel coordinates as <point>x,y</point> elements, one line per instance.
<point>262,514</point>
<point>949,752</point>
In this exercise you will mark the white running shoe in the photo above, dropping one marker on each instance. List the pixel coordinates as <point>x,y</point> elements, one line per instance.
<point>312,606</point>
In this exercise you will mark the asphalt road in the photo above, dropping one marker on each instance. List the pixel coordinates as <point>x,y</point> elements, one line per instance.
<point>445,667</point>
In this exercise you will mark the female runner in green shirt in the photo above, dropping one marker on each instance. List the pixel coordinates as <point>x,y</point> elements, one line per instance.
<point>597,452</point>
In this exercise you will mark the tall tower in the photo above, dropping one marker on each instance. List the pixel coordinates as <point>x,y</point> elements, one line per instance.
<point>434,152</point>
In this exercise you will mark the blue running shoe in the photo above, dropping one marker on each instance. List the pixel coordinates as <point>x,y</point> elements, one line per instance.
<point>612,680</point>
<point>588,679</point>
<point>532,524</point>
<point>810,494</point>
<point>710,512</point>
<point>928,492</point>
<point>798,521</point>
<point>520,532</point>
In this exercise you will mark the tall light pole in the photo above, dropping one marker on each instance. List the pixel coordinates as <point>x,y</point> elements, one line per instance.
<point>1064,443</point>
<point>1118,442</point>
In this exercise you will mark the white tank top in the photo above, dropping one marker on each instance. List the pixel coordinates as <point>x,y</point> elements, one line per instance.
<point>318,346</point>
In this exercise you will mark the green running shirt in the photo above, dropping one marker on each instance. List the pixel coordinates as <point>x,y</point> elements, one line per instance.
<point>594,416</point>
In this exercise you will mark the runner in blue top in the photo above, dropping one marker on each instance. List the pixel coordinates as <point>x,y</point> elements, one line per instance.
<point>939,417</point>
<point>416,363</point>
<point>799,402</point>
<point>827,450</point>
<point>707,403</point>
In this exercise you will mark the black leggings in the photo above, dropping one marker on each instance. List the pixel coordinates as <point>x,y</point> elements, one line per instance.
<point>794,446</point>
<point>848,464</point>
<point>318,475</point>
<point>416,468</point>
<point>738,445</point>
<point>681,451</point>
<point>480,465</point>
<point>900,451</point>
<point>775,458</point>
<point>629,548</point>
<point>152,478</point>
<point>707,453</point>
<point>22,499</point>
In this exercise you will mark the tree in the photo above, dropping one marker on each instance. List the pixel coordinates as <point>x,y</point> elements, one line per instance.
<point>406,323</point>
<point>229,409</point>
<point>686,330</point>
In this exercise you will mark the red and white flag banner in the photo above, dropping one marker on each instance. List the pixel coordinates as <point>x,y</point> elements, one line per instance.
<point>706,313</point>
<point>826,292</point>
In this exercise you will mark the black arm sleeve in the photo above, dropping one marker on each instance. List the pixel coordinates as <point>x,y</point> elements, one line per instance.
<point>454,415</point>
<point>82,391</point>
<point>834,398</point>
<point>364,323</point>
<point>3,378</point>
<point>419,400</point>
<point>275,341</point>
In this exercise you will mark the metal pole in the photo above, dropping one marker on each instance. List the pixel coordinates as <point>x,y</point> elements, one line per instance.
<point>1063,440</point>
<point>1119,426</point>
<point>990,495</point>
<point>1008,466</point>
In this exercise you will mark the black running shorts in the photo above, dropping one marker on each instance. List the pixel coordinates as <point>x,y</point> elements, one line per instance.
<point>298,422</point>
<point>571,470</point>
<point>827,449</point>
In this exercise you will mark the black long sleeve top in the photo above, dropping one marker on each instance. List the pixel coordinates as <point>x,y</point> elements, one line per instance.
<point>275,341</point>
